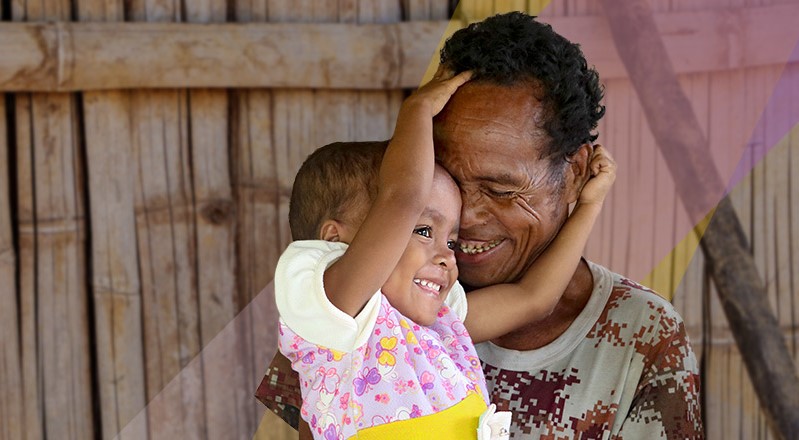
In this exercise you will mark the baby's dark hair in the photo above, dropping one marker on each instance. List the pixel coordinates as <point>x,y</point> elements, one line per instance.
<point>513,48</point>
<point>336,182</point>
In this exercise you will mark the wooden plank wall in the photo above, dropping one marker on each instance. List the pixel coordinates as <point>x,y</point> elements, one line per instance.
<point>11,387</point>
<point>134,225</point>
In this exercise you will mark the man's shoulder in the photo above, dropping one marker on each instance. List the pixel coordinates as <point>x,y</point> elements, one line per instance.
<point>632,305</point>
<point>628,294</point>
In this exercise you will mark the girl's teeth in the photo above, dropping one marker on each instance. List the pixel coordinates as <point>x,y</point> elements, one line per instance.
<point>428,284</point>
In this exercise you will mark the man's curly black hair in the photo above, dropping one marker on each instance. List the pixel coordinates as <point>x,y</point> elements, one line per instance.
<point>511,48</point>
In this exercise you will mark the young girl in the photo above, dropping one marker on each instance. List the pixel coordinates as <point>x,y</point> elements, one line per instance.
<point>372,316</point>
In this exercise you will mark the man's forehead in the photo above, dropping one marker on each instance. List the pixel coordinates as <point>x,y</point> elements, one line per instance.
<point>487,107</point>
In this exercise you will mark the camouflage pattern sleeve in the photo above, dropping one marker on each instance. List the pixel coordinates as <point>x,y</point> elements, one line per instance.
<point>666,403</point>
<point>280,390</point>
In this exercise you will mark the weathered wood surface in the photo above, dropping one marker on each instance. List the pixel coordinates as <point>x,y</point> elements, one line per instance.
<point>95,56</point>
<point>31,401</point>
<point>11,398</point>
<point>117,283</point>
<point>167,252</point>
<point>55,350</point>
<point>228,395</point>
<point>67,56</point>
<point>57,230</point>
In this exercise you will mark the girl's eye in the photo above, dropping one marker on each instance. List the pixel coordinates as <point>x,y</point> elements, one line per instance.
<point>424,231</point>
<point>451,244</point>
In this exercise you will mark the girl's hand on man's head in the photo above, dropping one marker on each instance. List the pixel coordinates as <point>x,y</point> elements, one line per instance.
<point>603,173</point>
<point>434,95</point>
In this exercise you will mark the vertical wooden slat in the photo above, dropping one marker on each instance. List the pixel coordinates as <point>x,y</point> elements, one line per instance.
<point>55,368</point>
<point>776,164</point>
<point>26,213</point>
<point>650,206</point>
<point>617,220</point>
<point>53,296</point>
<point>426,9</point>
<point>228,392</point>
<point>712,387</point>
<point>629,209</point>
<point>166,247</point>
<point>258,195</point>
<point>600,238</point>
<point>117,286</point>
<point>753,96</point>
<point>793,204</point>
<point>60,272</point>
<point>735,413</point>
<point>263,123</point>
<point>693,290</point>
<point>760,240</point>
<point>117,291</point>
<point>11,397</point>
<point>259,223</point>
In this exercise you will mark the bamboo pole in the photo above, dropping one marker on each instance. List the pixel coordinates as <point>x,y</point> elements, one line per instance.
<point>65,56</point>
<point>96,56</point>
<point>724,243</point>
<point>11,397</point>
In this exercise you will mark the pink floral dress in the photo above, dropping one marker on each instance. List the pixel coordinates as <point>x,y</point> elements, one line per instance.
<point>397,370</point>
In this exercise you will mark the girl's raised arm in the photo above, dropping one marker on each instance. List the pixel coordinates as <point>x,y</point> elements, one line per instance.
<point>405,180</point>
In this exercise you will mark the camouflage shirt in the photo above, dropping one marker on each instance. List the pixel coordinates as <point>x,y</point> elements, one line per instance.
<point>623,369</point>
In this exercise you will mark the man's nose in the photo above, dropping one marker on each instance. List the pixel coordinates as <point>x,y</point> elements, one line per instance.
<point>473,211</point>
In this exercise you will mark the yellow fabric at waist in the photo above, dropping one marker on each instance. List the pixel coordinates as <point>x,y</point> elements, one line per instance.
<point>458,422</point>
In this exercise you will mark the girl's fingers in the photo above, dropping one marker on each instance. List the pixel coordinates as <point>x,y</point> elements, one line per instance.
<point>440,72</point>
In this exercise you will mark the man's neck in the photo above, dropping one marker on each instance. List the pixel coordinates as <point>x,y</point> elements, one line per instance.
<point>540,333</point>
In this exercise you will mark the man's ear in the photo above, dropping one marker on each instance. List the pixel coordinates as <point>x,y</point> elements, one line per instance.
<point>577,172</point>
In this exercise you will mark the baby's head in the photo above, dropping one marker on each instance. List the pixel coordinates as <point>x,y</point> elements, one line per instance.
<point>331,196</point>
<point>338,183</point>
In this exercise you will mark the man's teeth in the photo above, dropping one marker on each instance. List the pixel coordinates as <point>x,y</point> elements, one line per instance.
<point>427,283</point>
<point>476,249</point>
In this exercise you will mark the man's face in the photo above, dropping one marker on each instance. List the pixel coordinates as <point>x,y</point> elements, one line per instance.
<point>514,202</point>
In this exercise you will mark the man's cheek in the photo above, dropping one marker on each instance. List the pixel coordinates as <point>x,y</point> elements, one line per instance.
<point>526,210</point>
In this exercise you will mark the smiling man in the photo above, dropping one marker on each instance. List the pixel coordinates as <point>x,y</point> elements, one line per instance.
<point>613,359</point>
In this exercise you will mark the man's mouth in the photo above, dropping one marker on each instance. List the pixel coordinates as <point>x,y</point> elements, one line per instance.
<point>477,248</point>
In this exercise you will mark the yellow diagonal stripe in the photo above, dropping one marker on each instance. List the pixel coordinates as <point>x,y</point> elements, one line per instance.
<point>668,274</point>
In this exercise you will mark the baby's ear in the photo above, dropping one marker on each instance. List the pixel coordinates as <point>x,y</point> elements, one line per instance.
<point>330,231</point>
<point>577,171</point>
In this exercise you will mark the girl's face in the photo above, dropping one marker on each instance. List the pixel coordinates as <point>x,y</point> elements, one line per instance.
<point>426,271</point>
